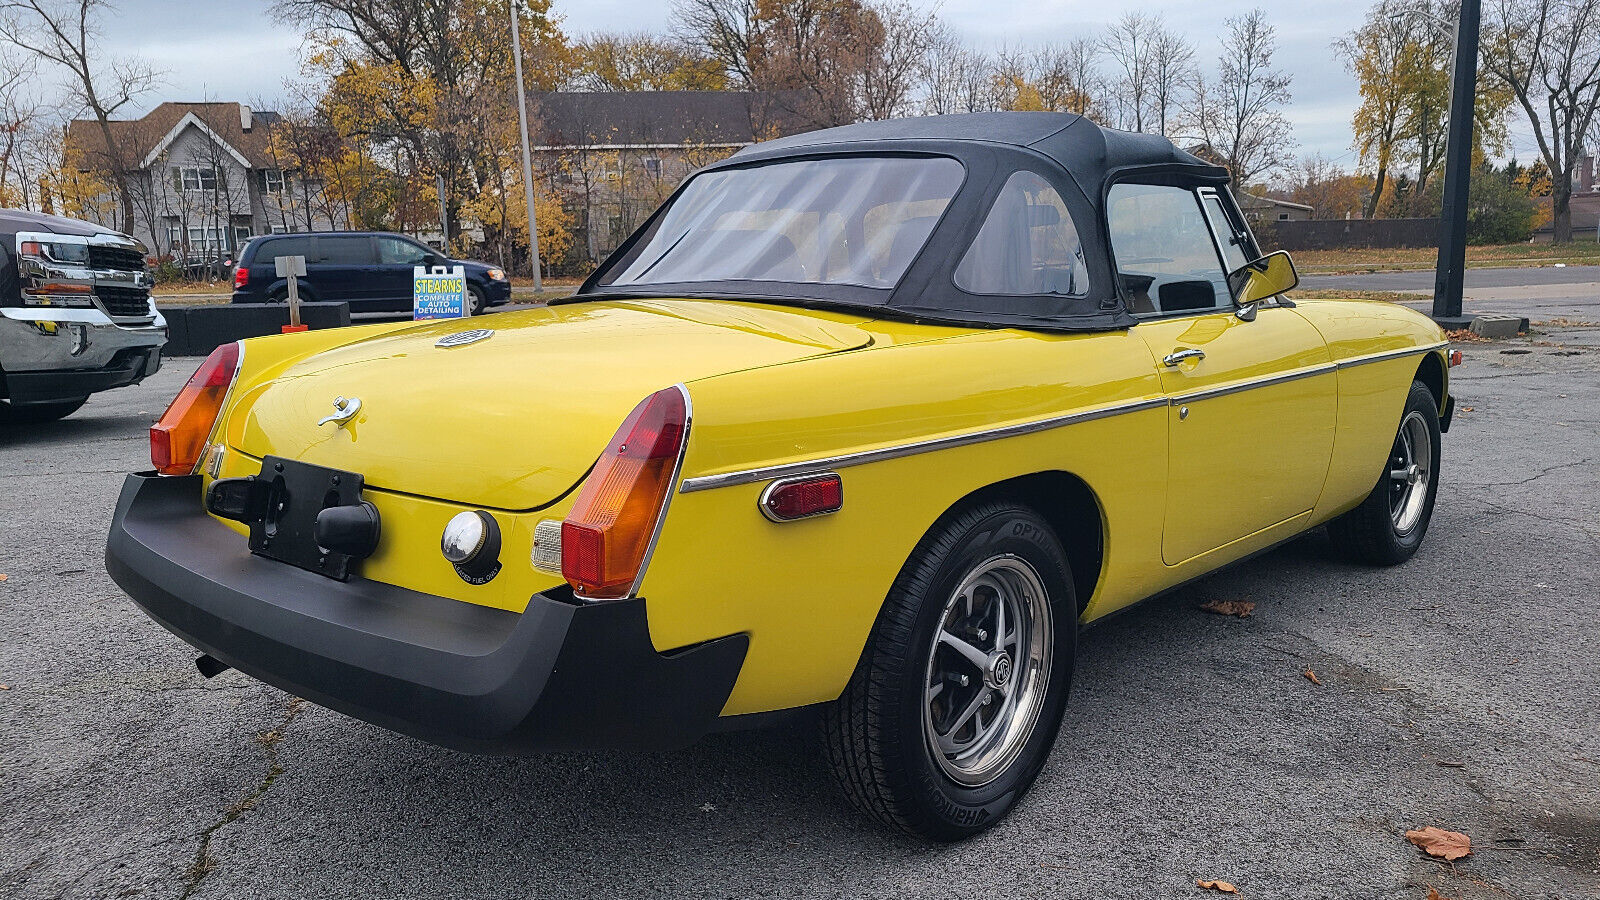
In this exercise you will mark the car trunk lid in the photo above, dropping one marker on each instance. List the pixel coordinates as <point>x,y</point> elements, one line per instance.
<point>516,419</point>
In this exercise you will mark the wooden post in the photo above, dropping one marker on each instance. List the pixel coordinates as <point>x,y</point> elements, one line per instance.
<point>292,267</point>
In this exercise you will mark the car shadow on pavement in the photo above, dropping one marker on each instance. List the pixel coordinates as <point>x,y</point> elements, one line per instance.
<point>1165,710</point>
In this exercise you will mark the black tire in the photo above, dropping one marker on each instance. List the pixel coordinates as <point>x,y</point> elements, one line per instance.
<point>37,413</point>
<point>480,304</point>
<point>281,295</point>
<point>1375,533</point>
<point>874,735</point>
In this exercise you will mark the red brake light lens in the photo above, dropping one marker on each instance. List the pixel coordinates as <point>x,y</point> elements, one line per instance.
<point>799,498</point>
<point>605,539</point>
<point>179,436</point>
<point>241,277</point>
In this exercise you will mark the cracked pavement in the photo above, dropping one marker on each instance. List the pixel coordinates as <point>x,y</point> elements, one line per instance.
<point>1457,690</point>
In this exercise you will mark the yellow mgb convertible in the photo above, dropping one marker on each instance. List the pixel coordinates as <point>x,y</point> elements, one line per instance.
<point>865,424</point>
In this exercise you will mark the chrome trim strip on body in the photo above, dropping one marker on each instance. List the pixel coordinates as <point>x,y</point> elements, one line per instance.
<point>728,479</point>
<point>816,466</point>
<point>1389,354</point>
<point>1252,384</point>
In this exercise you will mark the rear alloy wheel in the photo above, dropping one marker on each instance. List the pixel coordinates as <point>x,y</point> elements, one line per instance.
<point>959,694</point>
<point>36,413</point>
<point>1388,526</point>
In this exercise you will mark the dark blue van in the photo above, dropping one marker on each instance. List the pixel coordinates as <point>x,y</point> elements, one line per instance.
<point>372,271</point>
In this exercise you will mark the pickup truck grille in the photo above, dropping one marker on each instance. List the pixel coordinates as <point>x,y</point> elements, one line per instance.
<point>123,301</point>
<point>121,259</point>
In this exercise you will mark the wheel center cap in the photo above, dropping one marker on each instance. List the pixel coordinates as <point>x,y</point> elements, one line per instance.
<point>998,672</point>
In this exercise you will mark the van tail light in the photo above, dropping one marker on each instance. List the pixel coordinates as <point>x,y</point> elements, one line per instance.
<point>241,277</point>
<point>178,438</point>
<point>606,539</point>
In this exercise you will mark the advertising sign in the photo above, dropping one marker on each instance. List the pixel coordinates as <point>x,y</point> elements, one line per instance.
<point>439,293</point>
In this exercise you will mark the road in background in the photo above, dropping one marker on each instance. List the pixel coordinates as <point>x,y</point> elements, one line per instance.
<point>1540,293</point>
<point>1457,690</point>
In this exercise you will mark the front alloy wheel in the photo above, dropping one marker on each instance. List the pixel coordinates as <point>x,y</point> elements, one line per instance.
<point>957,698</point>
<point>1388,527</point>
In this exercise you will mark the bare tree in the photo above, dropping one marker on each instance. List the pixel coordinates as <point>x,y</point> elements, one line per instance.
<point>889,76</point>
<point>1128,43</point>
<point>1171,71</point>
<point>955,78</point>
<point>1067,76</point>
<point>726,29</point>
<point>20,110</point>
<point>1237,115</point>
<point>1548,53</point>
<point>65,33</point>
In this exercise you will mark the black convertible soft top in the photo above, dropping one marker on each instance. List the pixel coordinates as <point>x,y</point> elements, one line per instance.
<point>1080,158</point>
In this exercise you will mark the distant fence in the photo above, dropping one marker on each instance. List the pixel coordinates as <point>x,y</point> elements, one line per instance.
<point>1339,234</point>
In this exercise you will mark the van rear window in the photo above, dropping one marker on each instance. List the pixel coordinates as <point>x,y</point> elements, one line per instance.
<point>271,250</point>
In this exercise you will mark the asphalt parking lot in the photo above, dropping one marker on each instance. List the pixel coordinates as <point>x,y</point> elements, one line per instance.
<point>1458,690</point>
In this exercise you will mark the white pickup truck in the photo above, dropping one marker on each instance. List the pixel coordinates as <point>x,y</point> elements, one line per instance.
<point>75,315</point>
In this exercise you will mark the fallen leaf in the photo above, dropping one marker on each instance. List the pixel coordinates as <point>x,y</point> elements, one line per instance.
<point>1441,844</point>
<point>2,576</point>
<point>1312,676</point>
<point>1468,409</point>
<point>1433,894</point>
<point>5,687</point>
<point>1221,886</point>
<point>1240,608</point>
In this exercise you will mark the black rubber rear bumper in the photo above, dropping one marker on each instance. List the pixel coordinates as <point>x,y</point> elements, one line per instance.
<point>558,676</point>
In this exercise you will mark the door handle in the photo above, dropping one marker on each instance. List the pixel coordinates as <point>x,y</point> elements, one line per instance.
<point>1171,360</point>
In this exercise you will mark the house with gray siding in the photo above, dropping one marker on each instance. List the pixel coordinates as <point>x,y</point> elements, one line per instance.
<point>205,177</point>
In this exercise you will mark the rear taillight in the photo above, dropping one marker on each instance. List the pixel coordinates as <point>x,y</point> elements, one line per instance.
<point>607,536</point>
<point>241,277</point>
<point>178,438</point>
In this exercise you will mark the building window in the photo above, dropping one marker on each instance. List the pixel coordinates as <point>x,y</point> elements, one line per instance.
<point>652,165</point>
<point>270,180</point>
<point>191,178</point>
<point>1283,217</point>
<point>241,233</point>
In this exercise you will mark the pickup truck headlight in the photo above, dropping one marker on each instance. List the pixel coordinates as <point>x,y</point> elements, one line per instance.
<point>495,275</point>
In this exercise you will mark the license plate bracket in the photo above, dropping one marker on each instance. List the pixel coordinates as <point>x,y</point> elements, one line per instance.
<point>286,530</point>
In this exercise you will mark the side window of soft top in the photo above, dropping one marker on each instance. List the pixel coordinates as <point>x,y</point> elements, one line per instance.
<point>1167,257</point>
<point>1027,245</point>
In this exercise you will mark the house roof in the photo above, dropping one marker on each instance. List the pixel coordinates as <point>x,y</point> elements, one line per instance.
<point>1256,201</point>
<point>638,119</point>
<point>145,138</point>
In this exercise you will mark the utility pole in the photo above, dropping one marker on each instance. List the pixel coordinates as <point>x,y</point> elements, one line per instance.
<point>444,215</point>
<point>527,155</point>
<point>1448,281</point>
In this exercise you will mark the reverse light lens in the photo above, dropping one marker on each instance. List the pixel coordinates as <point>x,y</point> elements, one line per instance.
<point>800,498</point>
<point>605,538</point>
<point>178,438</point>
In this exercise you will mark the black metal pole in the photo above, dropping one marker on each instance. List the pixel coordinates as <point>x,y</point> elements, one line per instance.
<point>1451,270</point>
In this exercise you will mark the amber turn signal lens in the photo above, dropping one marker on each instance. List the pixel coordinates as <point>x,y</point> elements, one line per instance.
<point>605,539</point>
<point>178,438</point>
<point>800,498</point>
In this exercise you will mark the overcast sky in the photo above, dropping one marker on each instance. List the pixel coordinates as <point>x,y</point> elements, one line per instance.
<point>235,50</point>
